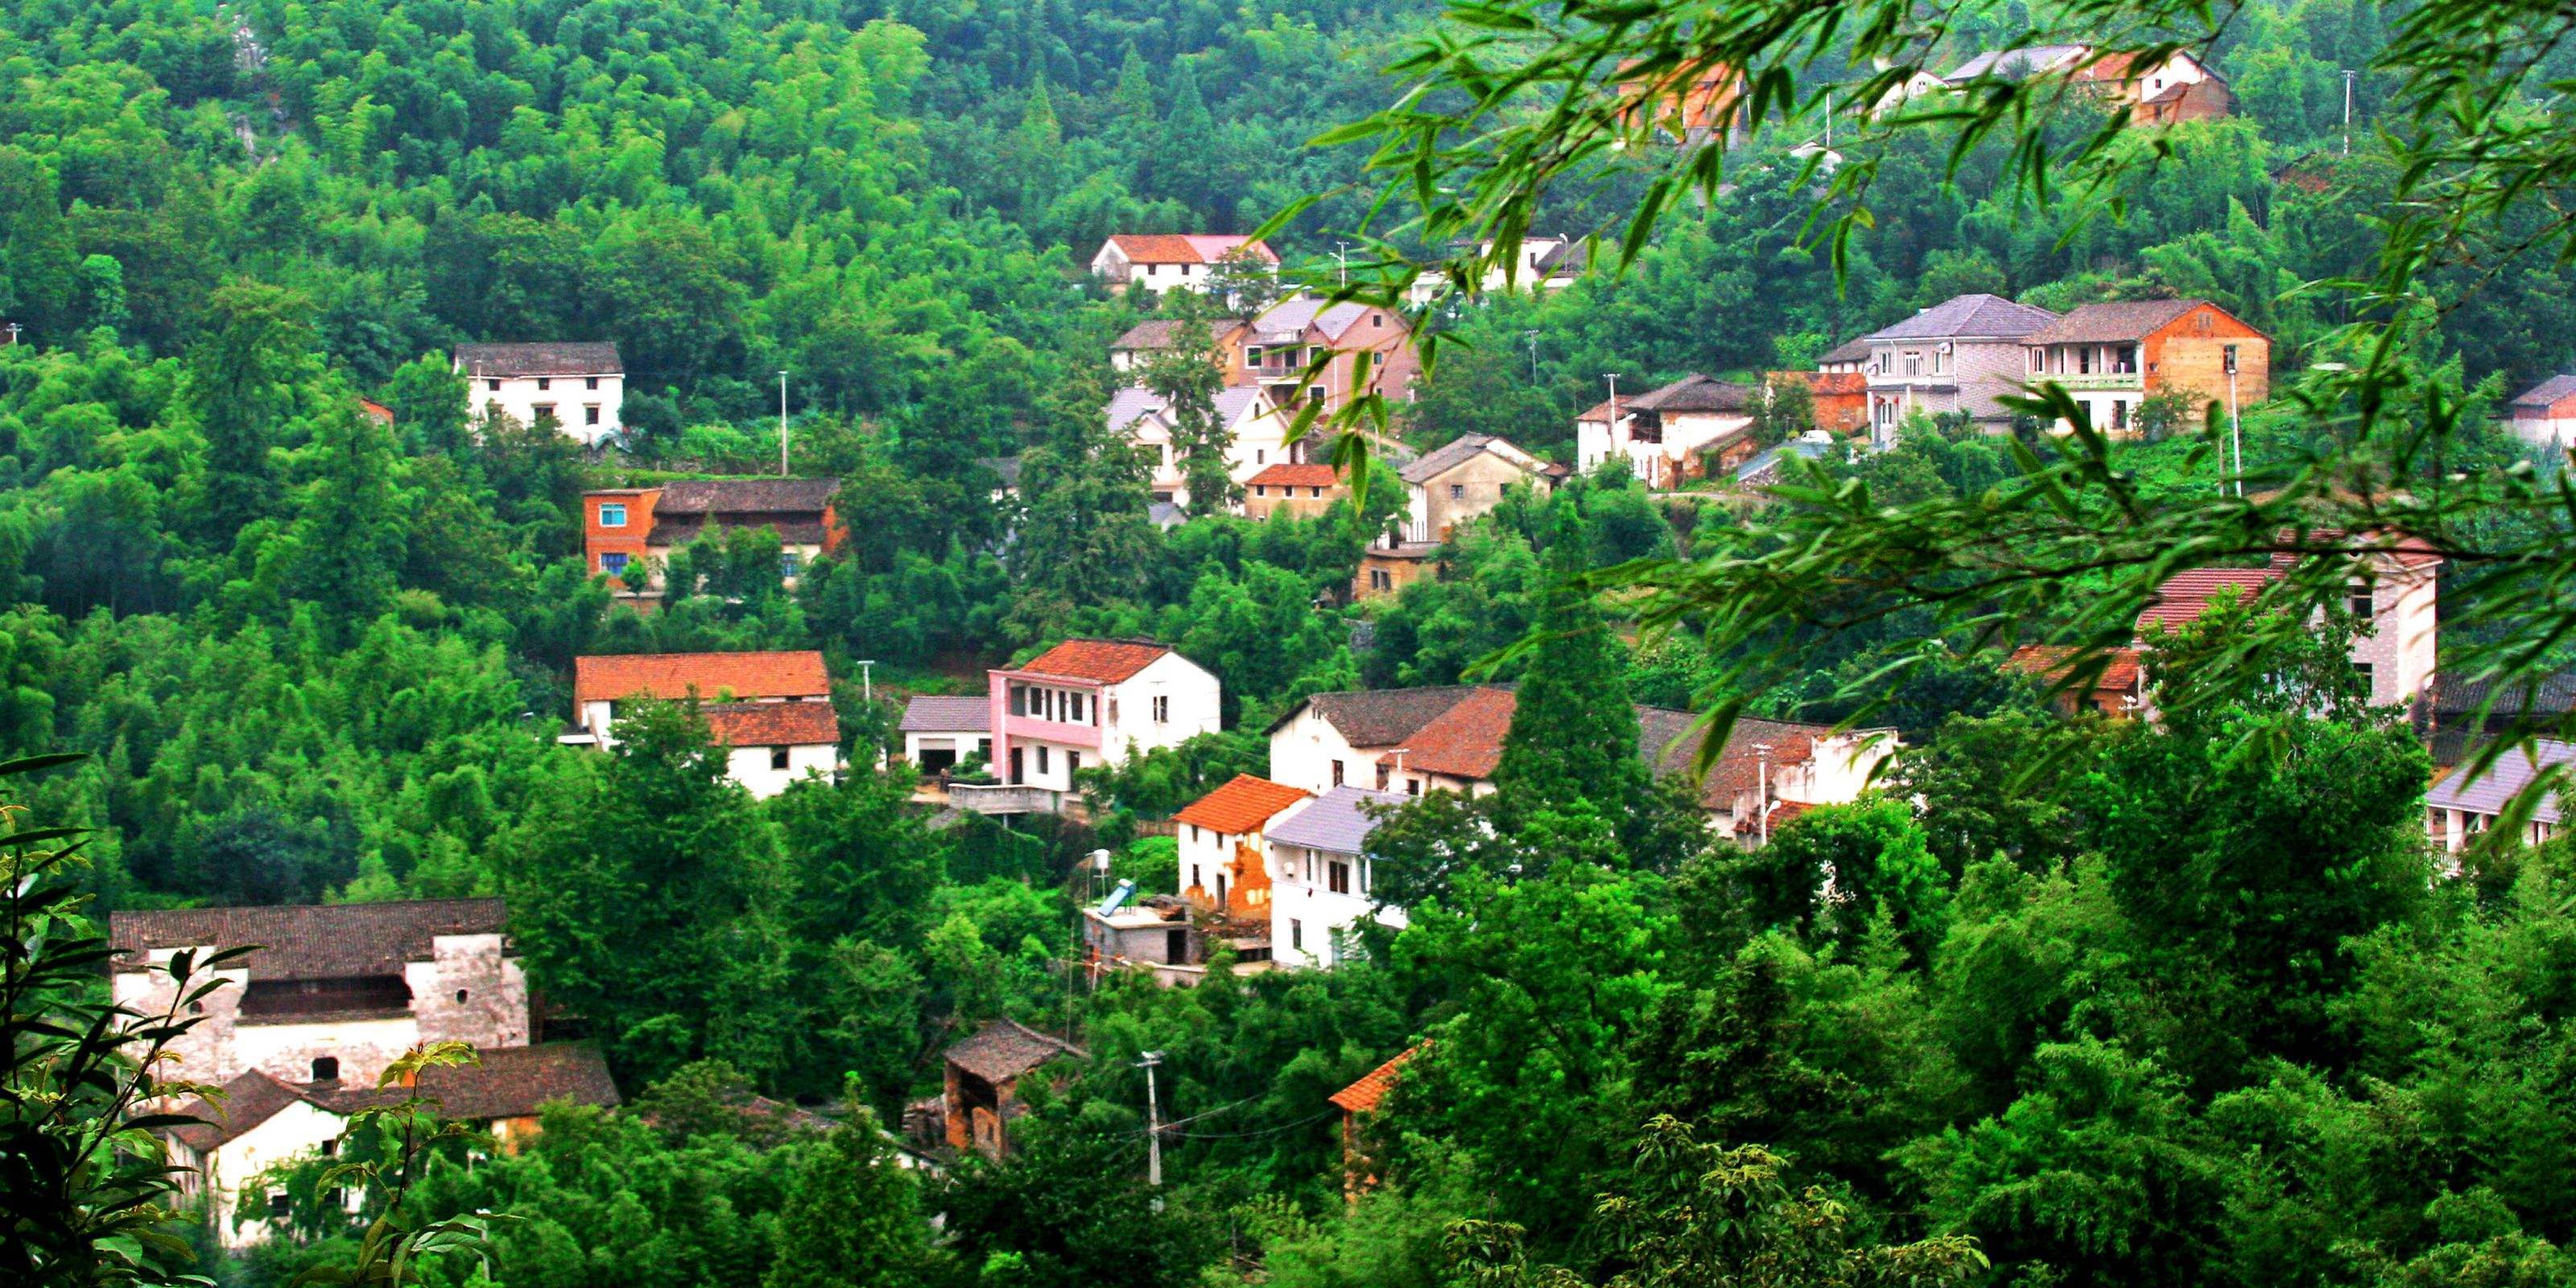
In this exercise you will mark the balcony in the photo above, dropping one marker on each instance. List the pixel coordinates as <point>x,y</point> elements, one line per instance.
<point>2092,381</point>
<point>1005,798</point>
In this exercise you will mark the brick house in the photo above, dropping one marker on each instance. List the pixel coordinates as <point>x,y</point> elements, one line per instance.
<point>1840,398</point>
<point>1274,350</point>
<point>1142,343</point>
<point>1685,430</point>
<point>2119,691</point>
<point>1960,355</point>
<point>745,699</point>
<point>2206,99</point>
<point>311,1019</point>
<point>982,1080</point>
<point>1303,490</point>
<point>2113,356</point>
<point>1444,488</point>
<point>1259,430</point>
<point>581,385</point>
<point>2400,596</point>
<point>1092,702</point>
<point>2545,414</point>
<point>633,530</point>
<point>1357,1101</point>
<point>1160,262</point>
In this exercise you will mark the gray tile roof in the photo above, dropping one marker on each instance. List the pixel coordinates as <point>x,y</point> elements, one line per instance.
<point>744,496</point>
<point>1693,393</point>
<point>1852,350</point>
<point>1969,317</point>
<point>561,358</point>
<point>1768,463</point>
<point>2111,321</point>
<point>931,713</point>
<point>1005,1049</point>
<point>1381,717</point>
<point>2013,64</point>
<point>2487,793</point>
<point>1334,822</point>
<point>2547,392</point>
<point>1448,456</point>
<point>316,942</point>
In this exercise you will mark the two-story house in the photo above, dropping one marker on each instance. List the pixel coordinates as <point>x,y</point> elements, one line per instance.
<point>1224,855</point>
<point>2399,596</point>
<point>628,533</point>
<point>577,385</point>
<point>1671,435</point>
<point>2469,801</point>
<point>1324,879</point>
<point>1444,488</point>
<point>307,1024</point>
<point>1304,490</point>
<point>772,711</point>
<point>1092,702</point>
<point>1143,343</point>
<point>1960,355</point>
<point>1160,262</point>
<point>1363,348</point>
<point>1543,265</point>
<point>2110,357</point>
<point>2177,88</point>
<point>1259,435</point>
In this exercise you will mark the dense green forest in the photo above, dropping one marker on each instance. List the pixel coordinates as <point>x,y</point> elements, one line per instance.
<point>2166,1013</point>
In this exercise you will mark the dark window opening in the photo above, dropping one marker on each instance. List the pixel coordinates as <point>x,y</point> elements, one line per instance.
<point>460,997</point>
<point>326,1069</point>
<point>778,758</point>
<point>1176,947</point>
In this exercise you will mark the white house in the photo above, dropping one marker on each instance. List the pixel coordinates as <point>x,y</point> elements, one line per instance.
<point>307,1024</point>
<point>580,384</point>
<point>1090,702</point>
<point>1322,881</point>
<point>1260,434</point>
<point>1666,434</point>
<point>2545,414</point>
<point>1224,852</point>
<point>1336,739</point>
<point>772,711</point>
<point>1543,266</point>
<point>939,733</point>
<point>1162,261</point>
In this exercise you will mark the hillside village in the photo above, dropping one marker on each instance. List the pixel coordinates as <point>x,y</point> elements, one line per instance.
<point>778,649</point>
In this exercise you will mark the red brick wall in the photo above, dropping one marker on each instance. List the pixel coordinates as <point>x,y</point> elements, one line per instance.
<point>628,540</point>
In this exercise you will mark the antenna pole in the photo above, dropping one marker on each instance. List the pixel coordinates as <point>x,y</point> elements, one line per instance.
<point>2348,76</point>
<point>782,424</point>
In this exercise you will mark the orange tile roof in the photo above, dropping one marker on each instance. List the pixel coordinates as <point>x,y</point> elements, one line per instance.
<point>672,676</point>
<point>2186,595</point>
<point>1242,805</point>
<point>1188,248</point>
<point>1466,741</point>
<point>1103,661</point>
<point>2049,662</point>
<point>772,724</point>
<point>1364,1095</point>
<point>1286,475</point>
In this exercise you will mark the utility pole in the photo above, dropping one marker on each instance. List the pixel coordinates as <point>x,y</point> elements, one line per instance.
<point>1153,1126</point>
<point>782,424</point>
<point>2235,430</point>
<point>2348,77</point>
<point>13,335</point>
<point>1342,256</point>
<point>1762,793</point>
<point>867,680</point>
<point>1532,336</point>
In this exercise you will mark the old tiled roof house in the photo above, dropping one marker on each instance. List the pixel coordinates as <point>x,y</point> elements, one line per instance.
<point>628,534</point>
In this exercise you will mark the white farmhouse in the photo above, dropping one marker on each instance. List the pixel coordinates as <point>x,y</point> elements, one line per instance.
<point>1260,435</point>
<point>1091,702</point>
<point>771,711</point>
<point>579,384</point>
<point>1322,882</point>
<point>1162,261</point>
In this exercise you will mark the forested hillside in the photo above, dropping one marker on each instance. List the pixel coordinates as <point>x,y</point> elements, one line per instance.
<point>2154,1013</point>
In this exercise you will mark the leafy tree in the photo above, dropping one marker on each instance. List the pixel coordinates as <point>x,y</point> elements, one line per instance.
<point>1573,739</point>
<point>853,1216</point>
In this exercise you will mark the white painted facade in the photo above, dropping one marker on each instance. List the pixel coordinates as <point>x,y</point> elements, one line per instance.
<point>1310,922</point>
<point>760,771</point>
<point>1259,429</point>
<point>585,406</point>
<point>1658,460</point>
<point>1057,725</point>
<point>1306,751</point>
<point>300,1130</point>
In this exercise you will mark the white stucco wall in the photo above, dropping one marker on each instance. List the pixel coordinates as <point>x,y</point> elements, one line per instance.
<point>297,1131</point>
<point>1306,914</point>
<point>1303,750</point>
<point>571,397</point>
<point>1128,707</point>
<point>363,1047</point>
<point>750,766</point>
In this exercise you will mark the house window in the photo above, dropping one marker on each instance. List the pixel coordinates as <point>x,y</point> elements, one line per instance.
<point>590,414</point>
<point>1042,759</point>
<point>326,1069</point>
<point>2119,413</point>
<point>543,411</point>
<point>2362,669</point>
<point>2038,361</point>
<point>1252,355</point>
<point>1377,319</point>
<point>1260,456</point>
<point>788,562</point>
<point>1315,492</point>
<point>492,385</point>
<point>590,382</point>
<point>1019,700</point>
<point>2357,598</point>
<point>1297,934</point>
<point>280,1205</point>
<point>778,758</point>
<point>331,1147</point>
<point>1260,489</point>
<point>1913,362</point>
<point>1383,773</point>
<point>1457,491</point>
<point>1072,764</point>
<point>460,997</point>
<point>1196,836</point>
<point>1162,709</point>
<point>612,516</point>
<point>544,383</point>
<point>1413,787</point>
<point>1337,773</point>
<point>1176,947</point>
<point>1337,877</point>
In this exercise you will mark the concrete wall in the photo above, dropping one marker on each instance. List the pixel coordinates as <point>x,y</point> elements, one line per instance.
<point>469,990</point>
<point>205,1053</point>
<point>1306,914</point>
<point>286,1052</point>
<point>1468,489</point>
<point>1193,708</point>
<point>297,1131</point>
<point>751,766</point>
<point>1303,750</point>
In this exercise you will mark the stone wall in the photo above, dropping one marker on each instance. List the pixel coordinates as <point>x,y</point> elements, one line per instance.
<point>470,991</point>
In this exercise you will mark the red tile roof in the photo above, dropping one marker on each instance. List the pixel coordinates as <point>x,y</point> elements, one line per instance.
<point>2049,662</point>
<point>2186,595</point>
<point>772,724</point>
<point>1102,661</point>
<point>1187,248</point>
<point>672,676</point>
<point>1240,806</point>
<point>1364,1095</point>
<point>1465,741</point>
<point>1285,475</point>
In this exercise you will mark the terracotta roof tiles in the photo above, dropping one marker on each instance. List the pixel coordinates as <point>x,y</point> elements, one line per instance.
<point>772,724</point>
<point>673,676</point>
<point>1465,741</point>
<point>1296,475</point>
<point>1241,805</point>
<point>1370,1091</point>
<point>2186,595</point>
<point>1100,661</point>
